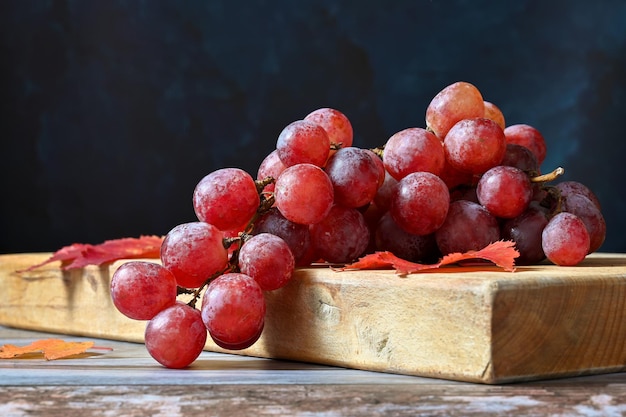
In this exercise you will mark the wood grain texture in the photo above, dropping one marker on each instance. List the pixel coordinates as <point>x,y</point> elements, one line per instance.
<point>127,382</point>
<point>311,400</point>
<point>461,323</point>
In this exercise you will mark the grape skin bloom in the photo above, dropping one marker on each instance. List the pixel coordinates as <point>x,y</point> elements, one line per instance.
<point>304,193</point>
<point>475,145</point>
<point>354,175</point>
<point>226,198</point>
<point>420,202</point>
<point>457,101</point>
<point>505,191</point>
<point>565,239</point>
<point>140,289</point>
<point>233,310</point>
<point>342,236</point>
<point>468,226</point>
<point>303,142</point>
<point>413,150</point>
<point>268,259</point>
<point>194,252</point>
<point>335,123</point>
<point>176,336</point>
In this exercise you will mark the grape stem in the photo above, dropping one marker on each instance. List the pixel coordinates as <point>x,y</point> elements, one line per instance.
<point>266,203</point>
<point>379,151</point>
<point>261,184</point>
<point>196,293</point>
<point>550,176</point>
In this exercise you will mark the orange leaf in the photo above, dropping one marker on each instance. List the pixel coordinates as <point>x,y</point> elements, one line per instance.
<point>501,253</point>
<point>80,255</point>
<point>51,349</point>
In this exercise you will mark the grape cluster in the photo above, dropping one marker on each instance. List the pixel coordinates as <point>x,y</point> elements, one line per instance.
<point>462,182</point>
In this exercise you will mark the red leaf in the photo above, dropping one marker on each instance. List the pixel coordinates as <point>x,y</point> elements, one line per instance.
<point>501,253</point>
<point>80,255</point>
<point>112,250</point>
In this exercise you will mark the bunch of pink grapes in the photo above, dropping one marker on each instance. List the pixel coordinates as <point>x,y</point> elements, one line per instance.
<point>463,181</point>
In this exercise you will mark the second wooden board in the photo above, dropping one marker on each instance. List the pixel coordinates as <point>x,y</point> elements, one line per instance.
<point>459,323</point>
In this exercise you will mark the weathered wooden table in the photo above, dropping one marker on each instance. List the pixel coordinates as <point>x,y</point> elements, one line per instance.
<point>126,381</point>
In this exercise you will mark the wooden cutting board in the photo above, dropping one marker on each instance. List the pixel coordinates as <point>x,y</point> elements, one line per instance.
<point>476,324</point>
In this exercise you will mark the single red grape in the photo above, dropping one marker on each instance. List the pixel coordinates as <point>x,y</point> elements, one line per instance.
<point>226,198</point>
<point>565,239</point>
<point>505,191</point>
<point>420,203</point>
<point>268,259</point>
<point>233,310</point>
<point>354,176</point>
<point>342,236</point>
<point>457,101</point>
<point>475,145</point>
<point>304,194</point>
<point>140,289</point>
<point>176,336</point>
<point>412,150</point>
<point>468,226</point>
<point>194,252</point>
<point>303,142</point>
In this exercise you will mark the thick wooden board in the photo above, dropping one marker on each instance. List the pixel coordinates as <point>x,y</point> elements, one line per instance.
<point>476,324</point>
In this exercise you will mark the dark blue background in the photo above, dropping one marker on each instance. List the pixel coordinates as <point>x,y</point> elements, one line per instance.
<point>112,111</point>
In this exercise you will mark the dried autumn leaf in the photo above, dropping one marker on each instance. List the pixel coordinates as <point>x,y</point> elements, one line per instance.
<point>501,253</point>
<point>51,348</point>
<point>80,255</point>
